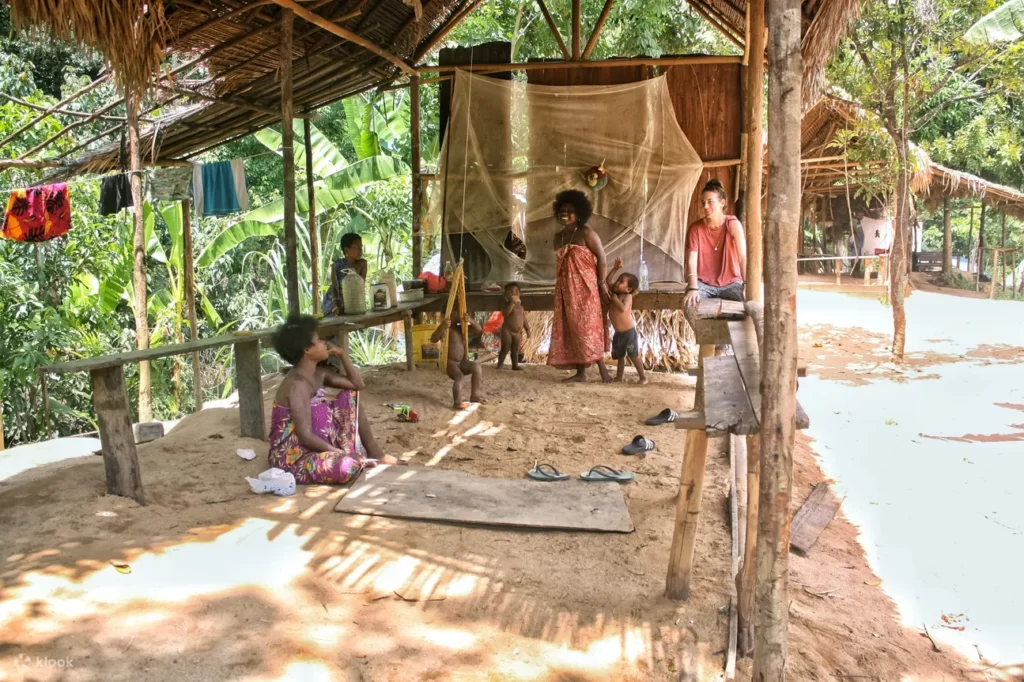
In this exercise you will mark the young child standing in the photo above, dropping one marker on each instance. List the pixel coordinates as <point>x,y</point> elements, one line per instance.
<point>513,326</point>
<point>625,343</point>
<point>459,364</point>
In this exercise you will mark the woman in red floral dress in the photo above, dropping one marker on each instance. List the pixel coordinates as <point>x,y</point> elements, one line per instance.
<point>579,335</point>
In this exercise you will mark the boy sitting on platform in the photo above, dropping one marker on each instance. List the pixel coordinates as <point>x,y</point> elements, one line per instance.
<point>625,343</point>
<point>513,326</point>
<point>459,364</point>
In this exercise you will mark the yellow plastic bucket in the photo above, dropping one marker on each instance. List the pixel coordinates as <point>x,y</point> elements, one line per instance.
<point>423,349</point>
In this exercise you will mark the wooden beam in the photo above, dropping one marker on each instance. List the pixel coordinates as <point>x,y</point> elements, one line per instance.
<point>755,149</point>
<point>190,296</point>
<point>691,60</point>
<point>577,18</point>
<point>66,112</point>
<point>745,581</point>
<point>67,100</point>
<point>779,351</point>
<point>684,534</point>
<point>592,43</point>
<point>554,29</point>
<point>417,185</point>
<point>314,234</point>
<point>331,27</point>
<point>139,260</point>
<point>288,159</point>
<point>443,30</point>
<point>722,28</point>
<point>230,101</point>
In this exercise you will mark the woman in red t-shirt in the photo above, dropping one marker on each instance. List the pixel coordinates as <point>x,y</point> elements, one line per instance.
<point>716,251</point>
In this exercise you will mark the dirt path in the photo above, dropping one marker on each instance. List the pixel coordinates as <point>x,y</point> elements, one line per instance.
<point>227,585</point>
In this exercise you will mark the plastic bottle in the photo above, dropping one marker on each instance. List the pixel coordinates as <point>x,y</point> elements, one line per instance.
<point>645,281</point>
<point>353,292</point>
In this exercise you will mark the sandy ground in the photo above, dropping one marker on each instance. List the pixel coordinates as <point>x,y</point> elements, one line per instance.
<point>227,585</point>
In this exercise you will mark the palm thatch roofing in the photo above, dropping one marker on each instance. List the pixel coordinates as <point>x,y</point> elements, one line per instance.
<point>224,56</point>
<point>826,172</point>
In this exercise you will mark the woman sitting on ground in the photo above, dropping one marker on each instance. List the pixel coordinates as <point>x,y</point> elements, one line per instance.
<point>317,439</point>
<point>716,250</point>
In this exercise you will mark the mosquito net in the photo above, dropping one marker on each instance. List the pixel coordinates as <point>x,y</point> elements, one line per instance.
<point>511,147</point>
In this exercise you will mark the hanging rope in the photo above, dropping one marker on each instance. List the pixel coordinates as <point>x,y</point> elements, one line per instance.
<point>457,291</point>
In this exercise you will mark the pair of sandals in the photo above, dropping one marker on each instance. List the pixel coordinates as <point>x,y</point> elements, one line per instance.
<point>546,472</point>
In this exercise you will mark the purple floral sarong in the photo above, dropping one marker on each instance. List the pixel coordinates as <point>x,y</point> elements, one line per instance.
<point>337,422</point>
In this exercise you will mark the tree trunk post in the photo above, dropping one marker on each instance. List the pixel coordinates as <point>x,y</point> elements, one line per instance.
<point>981,248</point>
<point>1002,255</point>
<point>779,353</point>
<point>314,232</point>
<point>288,158</point>
<point>190,296</point>
<point>755,149</point>
<point>139,258</point>
<point>577,16</point>
<point>995,269</point>
<point>947,238</point>
<point>417,195</point>
<point>120,458</point>
<point>684,535</point>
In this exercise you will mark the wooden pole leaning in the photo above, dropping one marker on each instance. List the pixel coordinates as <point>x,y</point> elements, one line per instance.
<point>314,232</point>
<point>288,161</point>
<point>190,296</point>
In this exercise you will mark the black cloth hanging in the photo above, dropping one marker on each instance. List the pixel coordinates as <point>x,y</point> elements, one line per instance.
<point>115,193</point>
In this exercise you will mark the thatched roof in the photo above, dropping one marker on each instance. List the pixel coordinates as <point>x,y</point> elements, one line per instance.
<point>225,54</point>
<point>931,181</point>
<point>233,48</point>
<point>824,25</point>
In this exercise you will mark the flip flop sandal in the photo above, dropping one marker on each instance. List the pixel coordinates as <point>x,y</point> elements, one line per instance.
<point>606,473</point>
<point>666,416</point>
<point>546,472</point>
<point>639,446</point>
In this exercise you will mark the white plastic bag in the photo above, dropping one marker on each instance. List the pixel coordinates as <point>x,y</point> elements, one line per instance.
<point>277,481</point>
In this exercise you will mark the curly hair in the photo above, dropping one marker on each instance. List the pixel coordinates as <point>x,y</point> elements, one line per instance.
<point>579,202</point>
<point>348,239</point>
<point>294,337</point>
<point>631,281</point>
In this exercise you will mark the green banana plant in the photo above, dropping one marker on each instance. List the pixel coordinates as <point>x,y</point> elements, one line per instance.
<point>1004,24</point>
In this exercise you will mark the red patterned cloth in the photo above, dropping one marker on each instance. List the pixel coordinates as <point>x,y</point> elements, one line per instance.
<point>37,214</point>
<point>579,335</point>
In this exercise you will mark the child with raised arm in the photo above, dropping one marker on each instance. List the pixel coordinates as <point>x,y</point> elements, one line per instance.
<point>625,343</point>
<point>459,364</point>
<point>513,326</point>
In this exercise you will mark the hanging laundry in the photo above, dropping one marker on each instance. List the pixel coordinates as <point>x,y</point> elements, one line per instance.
<point>37,214</point>
<point>169,184</point>
<point>115,193</point>
<point>219,188</point>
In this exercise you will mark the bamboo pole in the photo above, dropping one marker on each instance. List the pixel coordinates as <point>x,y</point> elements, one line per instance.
<point>229,101</point>
<point>67,100</point>
<point>692,60</point>
<point>329,26</point>
<point>417,196</point>
<point>66,112</point>
<point>722,27</point>
<point>779,352</point>
<point>577,17</point>
<point>1002,255</point>
<point>755,150</point>
<point>745,581</point>
<point>684,535</point>
<point>288,158</point>
<point>141,300</point>
<point>592,43</point>
<point>554,29</point>
<point>443,31</point>
<point>981,248</point>
<point>190,296</point>
<point>995,269</point>
<point>314,232</point>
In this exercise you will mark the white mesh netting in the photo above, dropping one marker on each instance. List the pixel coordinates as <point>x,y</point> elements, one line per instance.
<point>511,147</point>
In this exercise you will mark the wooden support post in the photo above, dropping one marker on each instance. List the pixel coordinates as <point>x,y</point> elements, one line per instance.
<point>314,232</point>
<point>755,149</point>
<point>1,418</point>
<point>839,269</point>
<point>592,43</point>
<point>410,354</point>
<point>47,423</point>
<point>139,259</point>
<point>779,352</point>
<point>1013,274</point>
<point>288,158</point>
<point>981,248</point>
<point>417,188</point>
<point>745,581</point>
<point>577,15</point>
<point>249,380</point>
<point>738,447</point>
<point>190,296</point>
<point>120,459</point>
<point>704,350</point>
<point>553,27</point>
<point>1002,255</point>
<point>995,272</point>
<point>866,267</point>
<point>947,238</point>
<point>684,535</point>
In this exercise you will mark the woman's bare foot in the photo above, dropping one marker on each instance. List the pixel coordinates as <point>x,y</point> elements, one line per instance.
<point>580,375</point>
<point>618,380</point>
<point>477,399</point>
<point>461,406</point>
<point>391,459</point>
<point>643,382</point>
<point>517,369</point>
